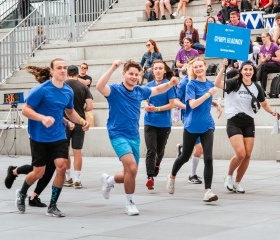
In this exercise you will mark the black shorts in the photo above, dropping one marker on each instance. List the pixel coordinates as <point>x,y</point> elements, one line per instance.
<point>152,2</point>
<point>172,2</point>
<point>241,124</point>
<point>42,152</point>
<point>76,136</point>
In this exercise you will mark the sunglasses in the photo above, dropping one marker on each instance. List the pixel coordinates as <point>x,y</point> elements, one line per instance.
<point>148,45</point>
<point>83,67</point>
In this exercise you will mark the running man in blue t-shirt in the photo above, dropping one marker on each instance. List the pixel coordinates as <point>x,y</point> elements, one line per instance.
<point>44,108</point>
<point>123,124</point>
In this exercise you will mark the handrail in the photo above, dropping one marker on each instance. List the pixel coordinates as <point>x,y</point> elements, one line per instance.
<point>61,20</point>
<point>7,7</point>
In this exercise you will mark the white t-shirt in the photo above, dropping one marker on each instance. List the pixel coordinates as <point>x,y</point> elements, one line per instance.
<point>240,101</point>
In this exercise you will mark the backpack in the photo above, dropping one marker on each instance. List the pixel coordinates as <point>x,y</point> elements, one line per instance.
<point>275,87</point>
<point>152,15</point>
<point>212,69</point>
<point>246,5</point>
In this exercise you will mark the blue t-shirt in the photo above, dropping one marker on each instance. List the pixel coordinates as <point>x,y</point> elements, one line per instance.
<point>199,119</point>
<point>181,94</point>
<point>162,118</point>
<point>49,100</point>
<point>124,110</point>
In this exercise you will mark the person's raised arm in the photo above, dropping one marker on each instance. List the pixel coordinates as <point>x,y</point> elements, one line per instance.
<point>102,85</point>
<point>164,87</point>
<point>219,80</point>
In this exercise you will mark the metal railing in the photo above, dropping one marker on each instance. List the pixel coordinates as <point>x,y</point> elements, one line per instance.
<point>66,20</point>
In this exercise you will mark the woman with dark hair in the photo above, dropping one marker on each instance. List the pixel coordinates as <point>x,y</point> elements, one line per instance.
<point>190,32</point>
<point>148,58</point>
<point>157,120</point>
<point>198,122</point>
<point>240,119</point>
<point>210,19</point>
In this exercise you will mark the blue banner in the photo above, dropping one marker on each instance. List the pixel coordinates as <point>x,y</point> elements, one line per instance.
<point>229,42</point>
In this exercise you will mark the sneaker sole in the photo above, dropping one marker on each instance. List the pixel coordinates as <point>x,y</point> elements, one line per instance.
<point>212,199</point>
<point>53,215</point>
<point>194,182</point>
<point>242,192</point>
<point>67,185</point>
<point>132,214</point>
<point>78,187</point>
<point>150,185</point>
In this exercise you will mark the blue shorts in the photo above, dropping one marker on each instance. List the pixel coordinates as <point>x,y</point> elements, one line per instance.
<point>198,141</point>
<point>124,146</point>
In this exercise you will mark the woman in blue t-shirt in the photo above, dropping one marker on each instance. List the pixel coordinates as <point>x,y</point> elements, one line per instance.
<point>198,123</point>
<point>157,120</point>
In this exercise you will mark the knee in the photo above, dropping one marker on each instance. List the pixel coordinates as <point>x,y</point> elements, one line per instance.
<point>241,156</point>
<point>132,169</point>
<point>39,174</point>
<point>151,153</point>
<point>198,150</point>
<point>61,168</point>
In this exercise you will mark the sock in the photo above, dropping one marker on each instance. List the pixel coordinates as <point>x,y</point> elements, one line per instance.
<point>77,175</point>
<point>55,194</point>
<point>229,176</point>
<point>111,180</point>
<point>25,169</point>
<point>129,198</point>
<point>68,174</point>
<point>195,161</point>
<point>25,187</point>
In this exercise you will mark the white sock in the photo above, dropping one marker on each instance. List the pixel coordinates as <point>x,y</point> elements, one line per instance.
<point>229,176</point>
<point>129,198</point>
<point>195,161</point>
<point>111,180</point>
<point>68,174</point>
<point>77,176</point>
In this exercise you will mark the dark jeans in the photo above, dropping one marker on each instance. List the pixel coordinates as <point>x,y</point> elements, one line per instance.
<point>199,46</point>
<point>189,140</point>
<point>264,69</point>
<point>155,139</point>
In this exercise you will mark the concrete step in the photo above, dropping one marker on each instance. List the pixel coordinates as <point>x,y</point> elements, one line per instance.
<point>264,147</point>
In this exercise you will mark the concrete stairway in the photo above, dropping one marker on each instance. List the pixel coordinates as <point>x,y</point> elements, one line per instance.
<point>122,34</point>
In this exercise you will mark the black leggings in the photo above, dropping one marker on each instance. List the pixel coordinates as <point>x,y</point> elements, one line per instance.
<point>189,140</point>
<point>44,181</point>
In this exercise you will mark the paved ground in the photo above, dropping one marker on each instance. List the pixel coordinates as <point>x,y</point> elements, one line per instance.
<point>253,215</point>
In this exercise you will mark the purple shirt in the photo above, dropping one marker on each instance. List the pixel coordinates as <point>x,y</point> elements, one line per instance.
<point>240,24</point>
<point>272,49</point>
<point>184,55</point>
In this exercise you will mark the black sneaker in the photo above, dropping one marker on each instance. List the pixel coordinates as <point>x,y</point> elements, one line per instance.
<point>179,149</point>
<point>209,9</point>
<point>53,211</point>
<point>9,180</point>
<point>163,18</point>
<point>171,16</point>
<point>36,202</point>
<point>20,201</point>
<point>156,171</point>
<point>194,179</point>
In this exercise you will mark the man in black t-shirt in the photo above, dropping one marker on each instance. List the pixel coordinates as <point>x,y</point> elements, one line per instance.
<point>82,102</point>
<point>83,77</point>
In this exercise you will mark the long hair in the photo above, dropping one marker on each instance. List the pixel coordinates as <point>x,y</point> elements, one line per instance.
<point>185,26</point>
<point>41,74</point>
<point>267,34</point>
<point>155,46</point>
<point>206,24</point>
<point>169,73</point>
<point>240,77</point>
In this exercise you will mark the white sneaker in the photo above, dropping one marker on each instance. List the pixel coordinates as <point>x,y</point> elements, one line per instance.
<point>175,14</point>
<point>106,188</point>
<point>209,196</point>
<point>131,209</point>
<point>183,17</point>
<point>228,182</point>
<point>237,188</point>
<point>170,186</point>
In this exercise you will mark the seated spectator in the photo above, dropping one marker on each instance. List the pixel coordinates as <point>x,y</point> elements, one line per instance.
<point>166,4</point>
<point>276,30</point>
<point>264,5</point>
<point>185,54</point>
<point>228,6</point>
<point>38,40</point>
<point>190,32</point>
<point>209,7</point>
<point>152,4</point>
<point>83,77</point>
<point>234,20</point>
<point>269,61</point>
<point>276,7</point>
<point>182,5</point>
<point>148,59</point>
<point>210,19</point>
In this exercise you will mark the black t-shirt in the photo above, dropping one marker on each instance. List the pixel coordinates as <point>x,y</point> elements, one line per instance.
<point>81,93</point>
<point>86,77</point>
